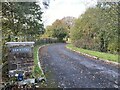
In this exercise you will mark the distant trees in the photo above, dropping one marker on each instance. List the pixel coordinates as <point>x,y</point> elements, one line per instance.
<point>60,29</point>
<point>97,28</point>
<point>57,30</point>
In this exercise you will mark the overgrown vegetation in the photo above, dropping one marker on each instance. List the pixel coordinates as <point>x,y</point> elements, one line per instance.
<point>101,55</point>
<point>21,21</point>
<point>97,29</point>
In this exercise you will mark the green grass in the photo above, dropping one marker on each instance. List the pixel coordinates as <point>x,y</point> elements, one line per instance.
<point>106,56</point>
<point>37,72</point>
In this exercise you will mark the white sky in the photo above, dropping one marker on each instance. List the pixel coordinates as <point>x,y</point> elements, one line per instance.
<point>62,8</point>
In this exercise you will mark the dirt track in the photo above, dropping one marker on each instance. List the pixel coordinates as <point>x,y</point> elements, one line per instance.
<point>67,69</point>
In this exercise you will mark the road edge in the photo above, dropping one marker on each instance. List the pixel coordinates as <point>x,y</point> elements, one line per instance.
<point>39,59</point>
<point>94,57</point>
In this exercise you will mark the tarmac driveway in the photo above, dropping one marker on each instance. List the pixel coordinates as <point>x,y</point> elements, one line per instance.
<point>67,69</point>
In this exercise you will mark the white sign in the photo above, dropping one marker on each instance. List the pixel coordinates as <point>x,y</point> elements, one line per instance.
<point>21,49</point>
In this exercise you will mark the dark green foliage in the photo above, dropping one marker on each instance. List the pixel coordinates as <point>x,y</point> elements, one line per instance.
<point>97,28</point>
<point>59,33</point>
<point>57,30</point>
<point>21,21</point>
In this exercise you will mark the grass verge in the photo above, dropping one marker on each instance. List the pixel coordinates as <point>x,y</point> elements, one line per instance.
<point>37,72</point>
<point>105,56</point>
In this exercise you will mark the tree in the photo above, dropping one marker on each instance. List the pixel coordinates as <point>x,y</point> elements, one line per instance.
<point>97,28</point>
<point>19,19</point>
<point>60,28</point>
<point>57,30</point>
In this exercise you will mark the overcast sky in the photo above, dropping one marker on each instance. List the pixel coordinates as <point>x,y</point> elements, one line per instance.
<point>62,8</point>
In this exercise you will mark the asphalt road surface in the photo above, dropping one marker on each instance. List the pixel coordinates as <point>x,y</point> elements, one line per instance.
<point>67,69</point>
